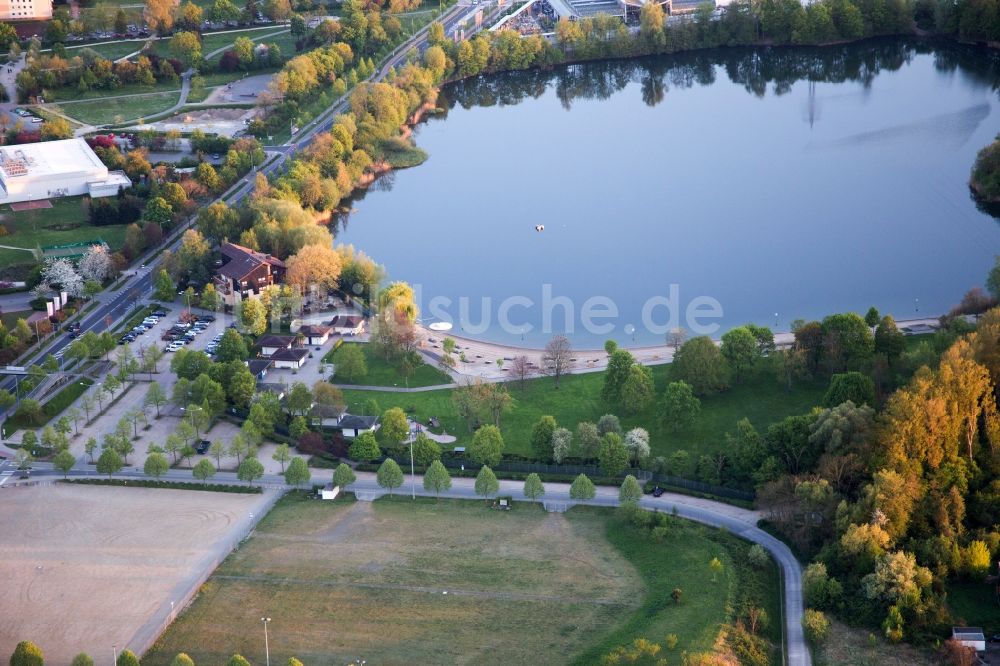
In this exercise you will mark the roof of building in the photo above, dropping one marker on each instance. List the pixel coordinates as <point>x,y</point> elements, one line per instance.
<point>315,330</point>
<point>327,411</point>
<point>968,633</point>
<point>276,341</point>
<point>271,387</point>
<point>347,321</point>
<point>296,354</point>
<point>357,422</point>
<point>49,158</point>
<point>259,365</point>
<point>243,261</point>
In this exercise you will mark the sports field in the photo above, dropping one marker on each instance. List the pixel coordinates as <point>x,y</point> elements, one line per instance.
<point>451,582</point>
<point>88,567</point>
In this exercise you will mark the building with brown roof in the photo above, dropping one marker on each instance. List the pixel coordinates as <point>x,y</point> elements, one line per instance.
<point>245,272</point>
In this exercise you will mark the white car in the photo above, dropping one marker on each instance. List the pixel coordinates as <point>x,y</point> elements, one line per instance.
<point>174,346</point>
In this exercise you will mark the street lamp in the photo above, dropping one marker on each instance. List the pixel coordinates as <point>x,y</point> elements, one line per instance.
<point>267,650</point>
<point>114,653</point>
<point>413,478</point>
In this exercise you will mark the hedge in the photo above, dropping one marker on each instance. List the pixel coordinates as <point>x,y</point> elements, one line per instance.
<point>174,485</point>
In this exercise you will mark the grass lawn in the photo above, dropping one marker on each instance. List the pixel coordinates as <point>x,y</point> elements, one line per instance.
<point>103,112</point>
<point>852,646</point>
<point>66,222</point>
<point>109,50</point>
<point>9,319</point>
<point>976,604</point>
<point>346,580</point>
<point>761,399</point>
<point>71,94</point>
<point>213,41</point>
<point>382,373</point>
<point>54,406</point>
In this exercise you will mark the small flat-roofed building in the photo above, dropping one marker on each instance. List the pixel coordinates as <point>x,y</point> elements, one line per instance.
<point>970,637</point>
<point>25,10</point>
<point>348,324</point>
<point>352,425</point>
<point>36,171</point>
<point>292,359</point>
<point>272,343</point>
<point>316,335</point>
<point>259,366</point>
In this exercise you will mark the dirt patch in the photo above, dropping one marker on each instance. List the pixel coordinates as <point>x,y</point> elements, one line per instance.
<point>86,567</point>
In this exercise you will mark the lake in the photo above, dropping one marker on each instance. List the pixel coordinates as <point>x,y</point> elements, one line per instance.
<point>702,190</point>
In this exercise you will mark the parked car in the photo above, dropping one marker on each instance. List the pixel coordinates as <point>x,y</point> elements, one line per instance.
<point>202,446</point>
<point>657,491</point>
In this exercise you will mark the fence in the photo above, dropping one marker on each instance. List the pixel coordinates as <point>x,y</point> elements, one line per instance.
<point>186,590</point>
<point>707,488</point>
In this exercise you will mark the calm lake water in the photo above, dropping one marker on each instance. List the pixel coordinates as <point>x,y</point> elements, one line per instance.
<point>768,185</point>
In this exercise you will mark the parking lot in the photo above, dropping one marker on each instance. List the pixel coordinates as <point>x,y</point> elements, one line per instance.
<point>168,331</point>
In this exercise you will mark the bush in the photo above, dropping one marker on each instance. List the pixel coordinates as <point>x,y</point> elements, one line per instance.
<point>174,485</point>
<point>816,626</point>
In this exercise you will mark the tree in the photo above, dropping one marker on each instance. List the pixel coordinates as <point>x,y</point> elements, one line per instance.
<point>203,470</point>
<point>314,265</point>
<point>343,476</point>
<point>588,438</point>
<point>757,556</point>
<point>277,10</point>
<point>679,406</point>
<point>389,475</point>
<point>83,659</point>
<point>815,625</point>
<point>889,340</point>
<point>630,492</point>
<point>96,264</point>
<point>637,444</point>
<point>27,653</point>
<point>237,660</point>
<point>637,392</point>
<point>850,386</point>
<point>364,448</point>
<point>739,347</point>
<point>715,566</point>
<point>350,362</point>
<point>582,488</point>
<point>701,365</point>
<point>90,447</point>
<point>872,317</point>
<point>619,364</point>
<point>64,461</point>
<point>297,473</point>
<point>425,450</point>
<point>110,462</point>
<point>847,343</point>
<point>186,47</point>
<point>437,478</point>
<point>249,470</point>
<point>613,455</point>
<point>562,442</point>
<point>486,482</point>
<point>533,488</point>
<point>164,288</point>
<point>993,279</point>
<point>252,316</point>
<point>395,428</point>
<point>556,359</point>
<point>156,465</point>
<point>609,423</point>
<point>541,437</point>
<point>487,446</point>
<point>159,14</point>
<point>282,454</point>
<point>676,595</point>
<point>182,659</point>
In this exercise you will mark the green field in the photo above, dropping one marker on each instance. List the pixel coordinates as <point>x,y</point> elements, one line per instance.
<point>101,112</point>
<point>383,373</point>
<point>760,399</point>
<point>976,604</point>
<point>66,222</point>
<point>355,580</point>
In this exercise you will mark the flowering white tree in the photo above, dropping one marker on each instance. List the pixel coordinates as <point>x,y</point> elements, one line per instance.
<point>96,264</point>
<point>60,275</point>
<point>637,444</point>
<point>562,441</point>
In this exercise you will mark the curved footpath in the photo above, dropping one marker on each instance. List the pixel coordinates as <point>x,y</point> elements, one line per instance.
<point>741,522</point>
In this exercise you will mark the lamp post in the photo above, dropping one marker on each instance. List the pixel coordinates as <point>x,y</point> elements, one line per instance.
<point>114,654</point>
<point>267,650</point>
<point>413,478</point>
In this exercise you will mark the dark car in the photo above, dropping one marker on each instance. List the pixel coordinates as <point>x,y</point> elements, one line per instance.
<point>159,313</point>
<point>202,446</point>
<point>657,491</point>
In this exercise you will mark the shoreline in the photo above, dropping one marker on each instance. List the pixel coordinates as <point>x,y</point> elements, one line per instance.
<point>482,355</point>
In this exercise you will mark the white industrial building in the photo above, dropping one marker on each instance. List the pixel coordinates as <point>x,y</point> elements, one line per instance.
<point>34,171</point>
